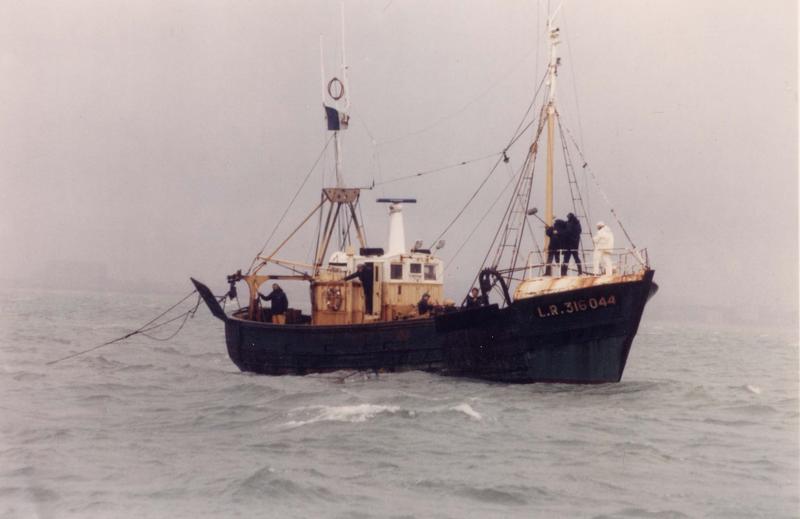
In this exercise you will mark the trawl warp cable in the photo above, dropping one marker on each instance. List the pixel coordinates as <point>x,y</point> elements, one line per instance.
<point>147,327</point>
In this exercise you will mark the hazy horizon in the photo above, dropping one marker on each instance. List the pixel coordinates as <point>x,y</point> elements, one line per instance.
<point>159,141</point>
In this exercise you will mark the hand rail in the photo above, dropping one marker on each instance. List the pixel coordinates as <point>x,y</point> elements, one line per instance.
<point>624,261</point>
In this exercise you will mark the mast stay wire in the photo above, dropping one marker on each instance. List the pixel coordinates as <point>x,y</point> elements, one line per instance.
<point>437,170</point>
<point>587,205</point>
<point>376,144</point>
<point>530,157</point>
<point>486,214</point>
<point>471,198</point>
<point>289,206</point>
<point>574,78</point>
<point>588,168</point>
<point>458,111</point>
<point>571,178</point>
<point>373,143</point>
<point>515,137</point>
<point>519,133</point>
<point>509,212</point>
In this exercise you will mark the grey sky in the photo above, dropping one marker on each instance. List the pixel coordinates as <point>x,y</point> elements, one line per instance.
<point>163,139</point>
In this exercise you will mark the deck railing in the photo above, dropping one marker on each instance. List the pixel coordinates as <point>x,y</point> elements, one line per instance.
<point>623,261</point>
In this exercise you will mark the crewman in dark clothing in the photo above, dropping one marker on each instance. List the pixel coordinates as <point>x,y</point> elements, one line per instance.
<point>573,241</point>
<point>280,303</point>
<point>557,234</point>
<point>475,299</point>
<point>424,307</point>
<point>365,275</point>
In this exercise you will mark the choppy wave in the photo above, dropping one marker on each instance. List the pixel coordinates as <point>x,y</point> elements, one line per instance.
<point>266,484</point>
<point>753,389</point>
<point>174,430</point>
<point>467,410</point>
<point>347,413</point>
<point>643,513</point>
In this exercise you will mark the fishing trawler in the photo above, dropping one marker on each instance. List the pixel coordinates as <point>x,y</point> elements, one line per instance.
<point>545,326</point>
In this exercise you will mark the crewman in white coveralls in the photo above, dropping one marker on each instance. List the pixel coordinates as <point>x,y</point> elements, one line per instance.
<point>603,245</point>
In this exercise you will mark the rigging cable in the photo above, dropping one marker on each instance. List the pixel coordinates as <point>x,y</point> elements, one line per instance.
<point>186,315</point>
<point>475,194</point>
<point>506,220</point>
<point>288,207</point>
<point>147,327</point>
<point>513,140</point>
<point>373,143</point>
<point>474,229</point>
<point>530,157</point>
<point>572,179</point>
<point>517,133</point>
<point>574,79</point>
<point>599,189</point>
<point>436,170</point>
<point>444,118</point>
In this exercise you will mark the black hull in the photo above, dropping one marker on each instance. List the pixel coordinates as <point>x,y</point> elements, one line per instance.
<point>580,336</point>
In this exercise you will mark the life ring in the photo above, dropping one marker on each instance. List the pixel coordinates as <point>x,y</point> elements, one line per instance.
<point>337,83</point>
<point>334,299</point>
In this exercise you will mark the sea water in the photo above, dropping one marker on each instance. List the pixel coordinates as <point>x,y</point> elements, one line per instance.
<point>703,424</point>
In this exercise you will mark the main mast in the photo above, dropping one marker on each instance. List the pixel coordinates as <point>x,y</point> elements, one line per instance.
<point>551,115</point>
<point>336,101</point>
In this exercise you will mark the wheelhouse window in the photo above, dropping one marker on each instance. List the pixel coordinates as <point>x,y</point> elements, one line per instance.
<point>416,268</point>
<point>430,272</point>
<point>396,271</point>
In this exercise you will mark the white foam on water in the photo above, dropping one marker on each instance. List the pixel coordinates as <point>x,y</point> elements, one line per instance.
<point>346,413</point>
<point>753,389</point>
<point>467,410</point>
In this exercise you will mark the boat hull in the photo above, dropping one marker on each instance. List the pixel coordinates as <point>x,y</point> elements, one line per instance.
<point>577,336</point>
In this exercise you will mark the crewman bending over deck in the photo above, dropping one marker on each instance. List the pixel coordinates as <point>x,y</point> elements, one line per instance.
<point>365,274</point>
<point>424,307</point>
<point>603,245</point>
<point>475,299</point>
<point>280,303</point>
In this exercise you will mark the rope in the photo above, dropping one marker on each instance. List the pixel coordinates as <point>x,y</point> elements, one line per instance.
<point>599,189</point>
<point>480,222</point>
<point>141,330</point>
<point>574,77</point>
<point>517,134</point>
<point>475,194</point>
<point>185,316</point>
<point>308,175</point>
<point>436,170</point>
<point>444,118</point>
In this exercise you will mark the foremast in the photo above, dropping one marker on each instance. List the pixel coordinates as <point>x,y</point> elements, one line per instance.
<point>336,101</point>
<point>512,228</point>
<point>336,203</point>
<point>550,109</point>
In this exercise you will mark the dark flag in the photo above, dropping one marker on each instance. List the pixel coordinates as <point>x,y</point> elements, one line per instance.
<point>332,114</point>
